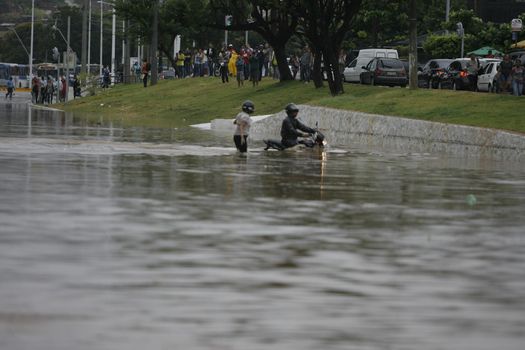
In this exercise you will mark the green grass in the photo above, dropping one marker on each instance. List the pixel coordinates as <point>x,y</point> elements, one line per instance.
<point>184,102</point>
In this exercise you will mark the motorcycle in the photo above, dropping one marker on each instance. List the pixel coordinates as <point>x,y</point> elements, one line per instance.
<point>315,139</point>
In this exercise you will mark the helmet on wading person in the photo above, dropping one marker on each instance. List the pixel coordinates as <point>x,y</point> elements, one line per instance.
<point>291,108</point>
<point>248,107</point>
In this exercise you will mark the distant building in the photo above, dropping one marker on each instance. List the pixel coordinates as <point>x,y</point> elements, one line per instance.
<point>498,11</point>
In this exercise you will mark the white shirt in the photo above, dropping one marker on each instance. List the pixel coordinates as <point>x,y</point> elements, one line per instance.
<point>243,119</point>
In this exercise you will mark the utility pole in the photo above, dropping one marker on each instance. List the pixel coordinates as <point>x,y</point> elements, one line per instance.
<point>127,53</point>
<point>113,38</point>
<point>89,40</point>
<point>32,35</point>
<point>101,33</point>
<point>68,57</point>
<point>461,33</point>
<point>83,57</point>
<point>413,45</point>
<point>154,43</point>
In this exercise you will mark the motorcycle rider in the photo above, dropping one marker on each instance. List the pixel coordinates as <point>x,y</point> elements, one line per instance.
<point>243,122</point>
<point>292,127</point>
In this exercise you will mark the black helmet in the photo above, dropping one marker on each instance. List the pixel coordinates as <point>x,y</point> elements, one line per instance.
<point>248,106</point>
<point>291,108</point>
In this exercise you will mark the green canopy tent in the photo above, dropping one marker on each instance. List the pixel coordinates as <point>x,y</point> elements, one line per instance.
<point>484,51</point>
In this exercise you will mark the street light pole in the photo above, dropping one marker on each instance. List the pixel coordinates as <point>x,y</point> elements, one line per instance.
<point>32,31</point>
<point>20,40</point>
<point>461,32</point>
<point>68,58</point>
<point>101,46</point>
<point>113,47</point>
<point>89,39</point>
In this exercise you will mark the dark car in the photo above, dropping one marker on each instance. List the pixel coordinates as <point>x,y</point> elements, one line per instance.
<point>384,71</point>
<point>520,54</point>
<point>457,77</point>
<point>431,73</point>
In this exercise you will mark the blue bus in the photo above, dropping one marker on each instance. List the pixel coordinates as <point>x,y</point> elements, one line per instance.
<point>19,73</point>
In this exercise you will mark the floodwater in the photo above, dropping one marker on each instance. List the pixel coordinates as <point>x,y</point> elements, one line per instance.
<point>127,238</point>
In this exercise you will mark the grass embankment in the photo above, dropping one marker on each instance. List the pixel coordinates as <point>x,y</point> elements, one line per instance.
<point>177,103</point>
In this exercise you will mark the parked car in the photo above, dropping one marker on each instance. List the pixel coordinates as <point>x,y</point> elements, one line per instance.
<point>428,76</point>
<point>486,81</point>
<point>354,69</point>
<point>520,54</point>
<point>456,76</point>
<point>384,71</point>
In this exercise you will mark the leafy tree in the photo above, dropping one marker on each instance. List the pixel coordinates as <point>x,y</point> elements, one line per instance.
<point>275,21</point>
<point>443,46</point>
<point>175,17</point>
<point>379,21</point>
<point>325,23</point>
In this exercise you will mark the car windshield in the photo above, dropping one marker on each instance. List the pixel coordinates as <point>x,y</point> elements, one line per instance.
<point>458,65</point>
<point>392,64</point>
<point>442,63</point>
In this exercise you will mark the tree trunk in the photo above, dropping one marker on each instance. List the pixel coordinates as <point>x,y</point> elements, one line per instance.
<point>282,63</point>
<point>155,43</point>
<point>331,60</point>
<point>83,55</point>
<point>317,74</point>
<point>169,53</point>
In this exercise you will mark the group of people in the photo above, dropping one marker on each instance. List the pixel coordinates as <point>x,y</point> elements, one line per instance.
<point>291,128</point>
<point>242,64</point>
<point>245,63</point>
<point>43,89</point>
<point>510,76</point>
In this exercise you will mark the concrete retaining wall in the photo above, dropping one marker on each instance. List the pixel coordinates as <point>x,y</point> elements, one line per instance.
<point>347,128</point>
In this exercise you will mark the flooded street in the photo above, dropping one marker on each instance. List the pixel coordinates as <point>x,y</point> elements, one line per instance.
<point>126,238</point>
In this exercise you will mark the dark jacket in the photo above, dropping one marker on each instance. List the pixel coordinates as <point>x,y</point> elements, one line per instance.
<point>290,131</point>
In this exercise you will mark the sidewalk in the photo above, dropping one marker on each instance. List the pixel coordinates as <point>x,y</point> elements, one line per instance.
<point>19,97</point>
<point>22,97</point>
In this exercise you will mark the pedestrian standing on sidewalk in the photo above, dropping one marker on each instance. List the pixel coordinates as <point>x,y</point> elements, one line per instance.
<point>239,66</point>
<point>35,89</point>
<point>10,89</point>
<point>305,62</point>
<point>517,78</point>
<point>224,58</point>
<point>145,71</point>
<point>506,70</point>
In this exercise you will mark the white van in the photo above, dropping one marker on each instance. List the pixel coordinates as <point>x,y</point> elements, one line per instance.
<point>354,69</point>
<point>388,53</point>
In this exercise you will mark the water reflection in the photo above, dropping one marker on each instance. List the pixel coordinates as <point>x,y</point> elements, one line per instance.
<point>116,238</point>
